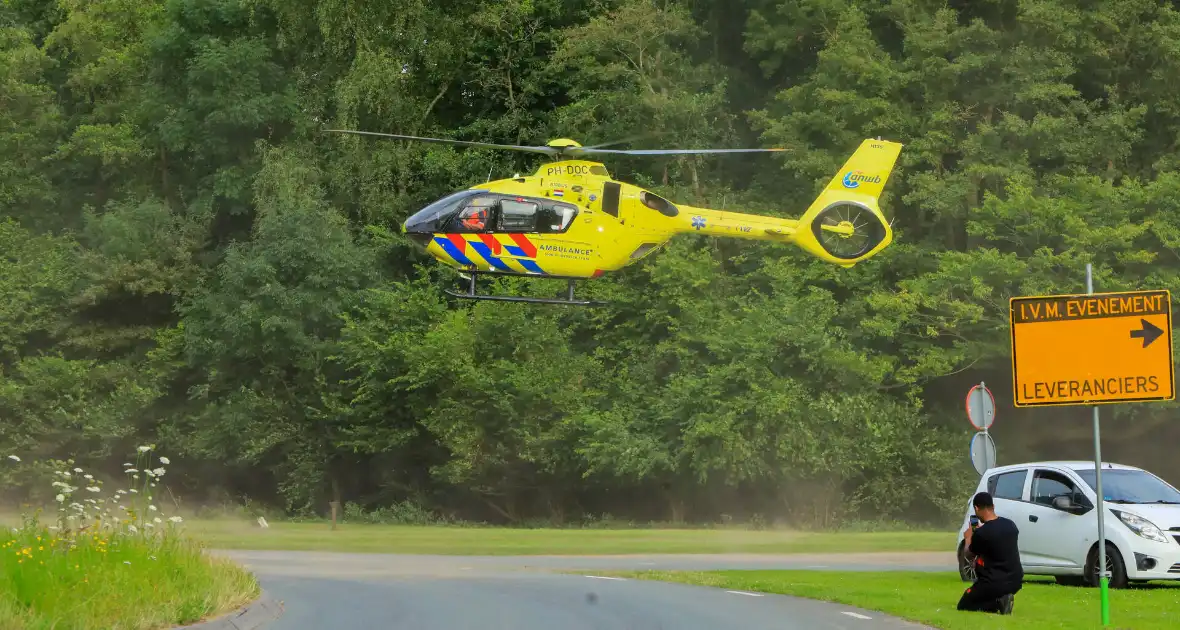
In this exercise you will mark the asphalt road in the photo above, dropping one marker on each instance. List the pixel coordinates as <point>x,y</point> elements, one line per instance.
<point>362,591</point>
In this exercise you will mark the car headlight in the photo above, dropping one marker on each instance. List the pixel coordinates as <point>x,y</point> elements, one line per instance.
<point>1141,526</point>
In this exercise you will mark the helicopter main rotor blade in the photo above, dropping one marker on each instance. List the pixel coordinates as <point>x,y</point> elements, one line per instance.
<point>631,138</point>
<point>671,151</point>
<point>485,145</point>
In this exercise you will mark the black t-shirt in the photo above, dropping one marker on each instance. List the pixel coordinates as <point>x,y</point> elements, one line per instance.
<point>995,544</point>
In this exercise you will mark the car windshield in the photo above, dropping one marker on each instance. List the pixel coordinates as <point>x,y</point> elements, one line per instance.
<point>1132,486</point>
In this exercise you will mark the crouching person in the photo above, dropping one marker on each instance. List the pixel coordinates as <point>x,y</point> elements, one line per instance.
<point>998,573</point>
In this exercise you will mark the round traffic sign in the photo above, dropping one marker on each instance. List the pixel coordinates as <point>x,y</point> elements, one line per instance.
<point>983,452</point>
<point>981,407</point>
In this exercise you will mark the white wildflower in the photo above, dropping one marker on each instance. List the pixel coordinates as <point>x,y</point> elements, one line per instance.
<point>132,529</point>
<point>144,449</point>
<point>120,491</point>
<point>165,461</point>
<point>59,484</point>
<point>148,525</point>
<point>89,476</point>
<point>159,472</point>
<point>131,470</point>
<point>93,489</point>
<point>134,490</point>
<point>77,470</point>
<point>152,508</point>
<point>17,459</point>
<point>157,520</point>
<point>176,519</point>
<point>60,498</point>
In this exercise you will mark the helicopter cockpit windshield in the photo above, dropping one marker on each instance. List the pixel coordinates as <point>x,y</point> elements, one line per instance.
<point>436,216</point>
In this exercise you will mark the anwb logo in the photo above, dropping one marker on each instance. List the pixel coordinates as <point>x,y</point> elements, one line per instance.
<point>853,179</point>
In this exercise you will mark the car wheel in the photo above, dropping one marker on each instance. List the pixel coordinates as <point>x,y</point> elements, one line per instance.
<point>1114,564</point>
<point>966,564</point>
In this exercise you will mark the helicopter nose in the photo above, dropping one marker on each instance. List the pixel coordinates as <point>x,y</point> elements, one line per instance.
<point>421,239</point>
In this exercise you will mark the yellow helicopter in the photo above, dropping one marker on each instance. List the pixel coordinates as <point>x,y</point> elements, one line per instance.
<point>570,220</point>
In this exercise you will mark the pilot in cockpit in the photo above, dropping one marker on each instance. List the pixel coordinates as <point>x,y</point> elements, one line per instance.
<point>475,218</point>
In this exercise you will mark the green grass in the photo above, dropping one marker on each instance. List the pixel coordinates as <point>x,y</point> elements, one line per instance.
<point>111,560</point>
<point>930,598</point>
<point>235,534</point>
<point>113,580</point>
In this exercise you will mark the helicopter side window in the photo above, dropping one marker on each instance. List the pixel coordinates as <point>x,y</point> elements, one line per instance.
<point>556,217</point>
<point>476,216</point>
<point>518,215</point>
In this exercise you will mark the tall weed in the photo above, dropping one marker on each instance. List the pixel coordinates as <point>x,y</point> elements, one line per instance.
<point>111,560</point>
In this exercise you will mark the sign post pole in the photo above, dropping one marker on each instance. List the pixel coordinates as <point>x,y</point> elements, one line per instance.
<point>1104,595</point>
<point>987,463</point>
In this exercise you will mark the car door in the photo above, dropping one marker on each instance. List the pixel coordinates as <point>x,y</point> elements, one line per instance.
<point>1056,537</point>
<point>1008,490</point>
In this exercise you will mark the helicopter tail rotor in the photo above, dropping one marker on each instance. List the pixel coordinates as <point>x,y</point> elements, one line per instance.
<point>845,225</point>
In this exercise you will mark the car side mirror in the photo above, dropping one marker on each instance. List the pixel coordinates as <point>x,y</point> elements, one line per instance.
<point>1063,503</point>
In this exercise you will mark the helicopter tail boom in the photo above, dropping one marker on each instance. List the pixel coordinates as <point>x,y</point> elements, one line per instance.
<point>739,225</point>
<point>843,226</point>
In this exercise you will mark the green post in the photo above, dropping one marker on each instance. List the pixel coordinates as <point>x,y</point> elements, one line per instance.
<point>1105,601</point>
<point>1102,577</point>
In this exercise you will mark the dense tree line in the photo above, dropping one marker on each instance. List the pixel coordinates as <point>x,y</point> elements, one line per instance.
<point>189,259</point>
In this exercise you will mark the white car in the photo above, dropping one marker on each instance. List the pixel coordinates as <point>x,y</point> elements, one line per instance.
<point>1052,504</point>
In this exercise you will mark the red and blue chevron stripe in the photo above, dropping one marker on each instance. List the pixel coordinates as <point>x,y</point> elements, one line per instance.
<point>492,249</point>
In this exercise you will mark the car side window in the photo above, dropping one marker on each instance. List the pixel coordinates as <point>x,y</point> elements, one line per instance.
<point>1009,485</point>
<point>1048,485</point>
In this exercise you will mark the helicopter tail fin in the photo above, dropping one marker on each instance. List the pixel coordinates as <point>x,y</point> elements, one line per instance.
<point>845,225</point>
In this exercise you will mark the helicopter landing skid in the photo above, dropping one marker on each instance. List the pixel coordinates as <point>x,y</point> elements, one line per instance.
<point>569,299</point>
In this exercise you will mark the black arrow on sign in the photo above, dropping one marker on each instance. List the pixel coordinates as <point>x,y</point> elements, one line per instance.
<point>1150,332</point>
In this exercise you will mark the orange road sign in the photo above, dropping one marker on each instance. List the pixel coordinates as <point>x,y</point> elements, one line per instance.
<point>1092,349</point>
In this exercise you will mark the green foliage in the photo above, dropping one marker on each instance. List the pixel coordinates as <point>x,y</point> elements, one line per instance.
<point>188,259</point>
